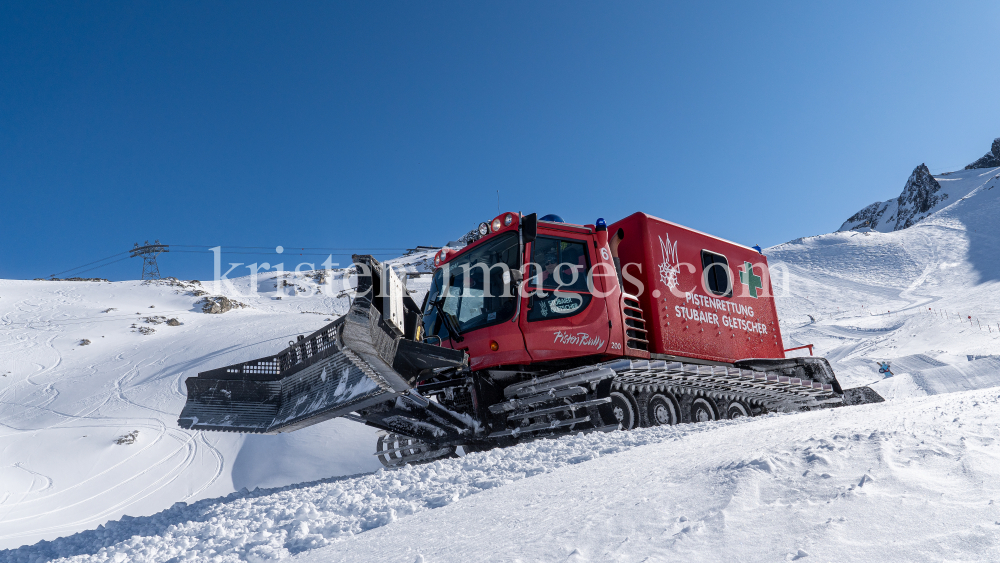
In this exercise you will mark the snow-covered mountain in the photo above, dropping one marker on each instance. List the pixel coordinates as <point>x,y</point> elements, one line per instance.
<point>924,195</point>
<point>924,291</point>
<point>990,159</point>
<point>906,480</point>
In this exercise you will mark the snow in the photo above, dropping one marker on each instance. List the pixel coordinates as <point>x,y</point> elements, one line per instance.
<point>61,401</point>
<point>912,479</point>
<point>905,297</point>
<point>851,483</point>
<point>271,521</point>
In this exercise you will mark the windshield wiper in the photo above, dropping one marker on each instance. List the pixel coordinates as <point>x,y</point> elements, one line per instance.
<point>449,321</point>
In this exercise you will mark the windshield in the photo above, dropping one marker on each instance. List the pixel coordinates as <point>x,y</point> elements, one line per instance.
<point>475,290</point>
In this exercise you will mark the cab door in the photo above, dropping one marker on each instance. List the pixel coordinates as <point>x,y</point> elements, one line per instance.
<point>559,317</point>
<point>475,290</point>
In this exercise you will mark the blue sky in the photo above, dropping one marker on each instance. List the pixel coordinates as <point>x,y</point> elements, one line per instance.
<point>371,126</point>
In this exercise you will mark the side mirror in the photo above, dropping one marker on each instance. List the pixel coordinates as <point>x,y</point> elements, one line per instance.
<point>529,227</point>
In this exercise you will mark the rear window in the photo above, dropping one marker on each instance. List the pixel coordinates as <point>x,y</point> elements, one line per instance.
<point>717,276</point>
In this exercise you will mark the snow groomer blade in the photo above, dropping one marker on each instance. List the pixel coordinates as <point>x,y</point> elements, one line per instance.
<point>357,361</point>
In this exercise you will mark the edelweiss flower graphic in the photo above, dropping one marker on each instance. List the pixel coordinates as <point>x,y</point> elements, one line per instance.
<point>669,269</point>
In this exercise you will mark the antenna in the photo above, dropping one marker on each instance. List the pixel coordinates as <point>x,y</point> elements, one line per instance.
<point>498,202</point>
<point>150,271</point>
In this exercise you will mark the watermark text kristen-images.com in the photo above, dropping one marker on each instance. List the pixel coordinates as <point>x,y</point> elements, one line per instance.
<point>469,278</point>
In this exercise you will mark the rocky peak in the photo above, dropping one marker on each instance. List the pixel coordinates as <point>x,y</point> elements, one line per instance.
<point>867,218</point>
<point>990,160</point>
<point>919,195</point>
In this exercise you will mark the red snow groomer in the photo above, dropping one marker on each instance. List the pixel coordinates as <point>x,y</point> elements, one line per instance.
<point>538,327</point>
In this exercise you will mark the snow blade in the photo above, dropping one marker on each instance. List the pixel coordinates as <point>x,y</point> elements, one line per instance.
<point>861,396</point>
<point>353,363</point>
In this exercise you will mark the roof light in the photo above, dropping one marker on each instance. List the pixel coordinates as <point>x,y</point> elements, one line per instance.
<point>496,224</point>
<point>440,257</point>
<point>484,229</point>
<point>507,220</point>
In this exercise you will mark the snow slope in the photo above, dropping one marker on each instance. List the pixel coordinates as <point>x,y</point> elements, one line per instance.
<point>64,405</point>
<point>863,297</point>
<point>911,479</point>
<point>908,481</point>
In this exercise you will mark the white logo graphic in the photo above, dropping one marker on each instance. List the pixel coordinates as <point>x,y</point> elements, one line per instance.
<point>669,269</point>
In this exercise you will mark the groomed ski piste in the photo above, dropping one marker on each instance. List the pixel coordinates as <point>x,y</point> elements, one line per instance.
<point>911,479</point>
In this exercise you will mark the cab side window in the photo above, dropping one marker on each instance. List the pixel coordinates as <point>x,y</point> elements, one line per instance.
<point>716,274</point>
<point>560,264</point>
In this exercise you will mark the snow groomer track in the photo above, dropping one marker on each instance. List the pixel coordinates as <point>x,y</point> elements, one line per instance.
<point>769,389</point>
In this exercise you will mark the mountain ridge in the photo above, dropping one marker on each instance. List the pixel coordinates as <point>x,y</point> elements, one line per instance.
<point>923,196</point>
<point>990,160</point>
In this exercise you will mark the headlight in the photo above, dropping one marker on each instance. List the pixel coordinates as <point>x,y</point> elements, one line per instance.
<point>496,224</point>
<point>484,229</point>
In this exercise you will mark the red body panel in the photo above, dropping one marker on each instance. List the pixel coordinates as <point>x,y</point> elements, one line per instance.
<point>510,344</point>
<point>662,266</point>
<point>662,263</point>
